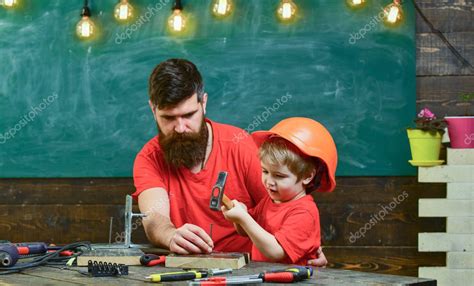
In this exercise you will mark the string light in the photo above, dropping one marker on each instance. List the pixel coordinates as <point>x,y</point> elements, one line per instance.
<point>222,8</point>
<point>177,21</point>
<point>123,11</point>
<point>356,3</point>
<point>9,3</point>
<point>393,13</point>
<point>85,29</point>
<point>286,11</point>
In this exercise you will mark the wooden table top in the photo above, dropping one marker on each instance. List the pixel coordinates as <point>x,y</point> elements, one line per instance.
<point>58,275</point>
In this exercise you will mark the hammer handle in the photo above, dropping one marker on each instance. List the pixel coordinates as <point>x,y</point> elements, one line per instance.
<point>227,202</point>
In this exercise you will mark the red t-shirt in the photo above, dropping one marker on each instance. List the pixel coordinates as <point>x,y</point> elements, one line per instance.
<point>189,194</point>
<point>294,224</point>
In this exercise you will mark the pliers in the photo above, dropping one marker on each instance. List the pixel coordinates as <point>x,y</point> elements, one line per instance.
<point>152,259</point>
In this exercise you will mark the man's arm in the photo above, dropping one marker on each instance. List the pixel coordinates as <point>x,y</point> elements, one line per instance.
<point>160,230</point>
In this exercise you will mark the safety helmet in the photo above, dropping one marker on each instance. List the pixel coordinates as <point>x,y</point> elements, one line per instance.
<point>312,139</point>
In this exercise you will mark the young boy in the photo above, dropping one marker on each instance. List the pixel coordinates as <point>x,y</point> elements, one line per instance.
<point>298,156</point>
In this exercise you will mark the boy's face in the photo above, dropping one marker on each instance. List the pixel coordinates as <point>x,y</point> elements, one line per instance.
<point>281,184</point>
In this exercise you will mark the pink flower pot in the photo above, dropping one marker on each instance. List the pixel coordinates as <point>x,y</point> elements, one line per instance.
<point>461,131</point>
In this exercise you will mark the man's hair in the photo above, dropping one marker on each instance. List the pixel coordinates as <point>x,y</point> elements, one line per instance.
<point>278,152</point>
<point>173,81</point>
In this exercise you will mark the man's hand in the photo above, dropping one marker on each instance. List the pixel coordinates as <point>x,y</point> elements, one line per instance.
<point>321,261</point>
<point>190,238</point>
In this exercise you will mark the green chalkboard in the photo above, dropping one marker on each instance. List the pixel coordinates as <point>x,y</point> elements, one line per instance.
<point>70,108</point>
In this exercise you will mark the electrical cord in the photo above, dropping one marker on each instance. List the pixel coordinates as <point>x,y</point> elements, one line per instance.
<point>50,257</point>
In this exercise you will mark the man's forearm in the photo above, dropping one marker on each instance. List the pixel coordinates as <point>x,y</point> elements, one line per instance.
<point>159,230</point>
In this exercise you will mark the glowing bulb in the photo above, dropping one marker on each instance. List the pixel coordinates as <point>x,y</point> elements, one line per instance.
<point>176,21</point>
<point>222,8</point>
<point>85,28</point>
<point>286,10</point>
<point>356,3</point>
<point>393,13</point>
<point>123,11</point>
<point>10,3</point>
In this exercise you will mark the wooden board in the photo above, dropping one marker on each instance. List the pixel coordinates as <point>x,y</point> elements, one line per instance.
<point>127,256</point>
<point>232,260</point>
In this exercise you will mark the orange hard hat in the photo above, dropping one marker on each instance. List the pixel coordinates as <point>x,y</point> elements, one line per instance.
<point>312,139</point>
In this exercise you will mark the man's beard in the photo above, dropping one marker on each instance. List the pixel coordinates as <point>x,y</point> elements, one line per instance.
<point>185,149</point>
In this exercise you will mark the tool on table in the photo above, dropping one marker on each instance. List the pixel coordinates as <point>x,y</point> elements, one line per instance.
<point>288,275</point>
<point>217,194</point>
<point>100,269</point>
<point>226,281</point>
<point>152,259</point>
<point>128,220</point>
<point>10,254</point>
<point>292,274</point>
<point>177,276</point>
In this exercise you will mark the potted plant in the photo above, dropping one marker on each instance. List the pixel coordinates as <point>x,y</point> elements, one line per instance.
<point>425,139</point>
<point>461,128</point>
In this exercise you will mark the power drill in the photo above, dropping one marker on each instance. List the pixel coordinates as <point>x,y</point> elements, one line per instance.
<point>10,252</point>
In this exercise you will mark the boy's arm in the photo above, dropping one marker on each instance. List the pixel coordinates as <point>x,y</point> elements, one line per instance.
<point>263,240</point>
<point>240,230</point>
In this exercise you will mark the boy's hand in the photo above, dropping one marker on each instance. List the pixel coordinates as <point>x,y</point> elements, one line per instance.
<point>236,213</point>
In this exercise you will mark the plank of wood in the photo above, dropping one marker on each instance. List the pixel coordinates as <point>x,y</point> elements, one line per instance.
<point>441,94</point>
<point>459,191</point>
<point>445,208</point>
<point>445,242</point>
<point>232,260</point>
<point>435,58</point>
<point>63,224</point>
<point>461,260</point>
<point>447,276</point>
<point>447,174</point>
<point>66,191</point>
<point>127,256</point>
<point>442,14</point>
<point>384,260</point>
<point>460,225</point>
<point>460,156</point>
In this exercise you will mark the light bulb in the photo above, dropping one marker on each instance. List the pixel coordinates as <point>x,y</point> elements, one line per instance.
<point>393,13</point>
<point>10,3</point>
<point>356,3</point>
<point>176,21</point>
<point>123,11</point>
<point>85,28</point>
<point>222,8</point>
<point>286,10</point>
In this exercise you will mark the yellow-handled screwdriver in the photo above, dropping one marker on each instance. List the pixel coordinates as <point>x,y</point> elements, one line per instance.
<point>177,276</point>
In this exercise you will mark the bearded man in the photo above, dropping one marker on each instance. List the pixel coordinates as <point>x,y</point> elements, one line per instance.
<point>175,171</point>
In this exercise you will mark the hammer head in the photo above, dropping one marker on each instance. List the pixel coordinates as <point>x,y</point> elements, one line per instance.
<point>218,191</point>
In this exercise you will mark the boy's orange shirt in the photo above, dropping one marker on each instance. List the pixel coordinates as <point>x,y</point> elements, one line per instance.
<point>295,225</point>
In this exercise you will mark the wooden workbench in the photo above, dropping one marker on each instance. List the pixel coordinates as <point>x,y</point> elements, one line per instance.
<point>54,275</point>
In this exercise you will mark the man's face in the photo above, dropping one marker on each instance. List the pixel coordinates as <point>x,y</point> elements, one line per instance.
<point>183,132</point>
<point>186,117</point>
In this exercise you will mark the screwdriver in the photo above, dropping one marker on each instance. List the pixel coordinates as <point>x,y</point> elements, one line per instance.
<point>177,276</point>
<point>288,275</point>
<point>293,274</point>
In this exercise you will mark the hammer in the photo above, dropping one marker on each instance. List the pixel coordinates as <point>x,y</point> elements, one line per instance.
<point>217,194</point>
